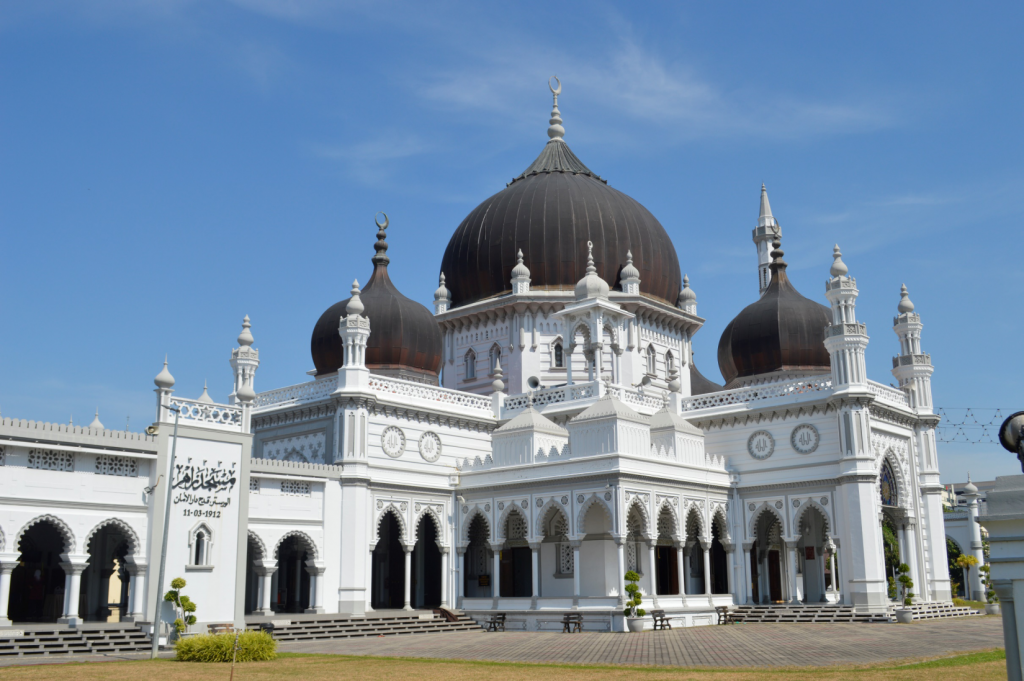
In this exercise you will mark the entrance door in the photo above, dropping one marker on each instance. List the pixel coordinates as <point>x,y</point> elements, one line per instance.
<point>667,570</point>
<point>774,576</point>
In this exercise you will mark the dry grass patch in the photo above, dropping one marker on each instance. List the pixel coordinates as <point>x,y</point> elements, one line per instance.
<point>979,666</point>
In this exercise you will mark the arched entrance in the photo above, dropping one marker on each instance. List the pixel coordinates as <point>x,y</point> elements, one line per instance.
<point>516,559</point>
<point>37,584</point>
<point>253,553</point>
<point>719,559</point>
<point>811,555</point>
<point>426,565</point>
<point>292,593</point>
<point>104,592</point>
<point>557,562</point>
<point>388,588</point>
<point>766,558</point>
<point>694,558</point>
<point>478,560</point>
<point>666,562</point>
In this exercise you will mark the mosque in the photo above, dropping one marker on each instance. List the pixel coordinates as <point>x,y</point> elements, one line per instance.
<point>517,449</point>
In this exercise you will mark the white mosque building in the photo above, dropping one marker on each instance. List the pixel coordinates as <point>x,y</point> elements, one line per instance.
<point>542,431</point>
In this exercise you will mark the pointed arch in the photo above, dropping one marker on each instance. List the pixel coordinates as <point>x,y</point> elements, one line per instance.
<point>305,541</point>
<point>393,510</point>
<point>902,488</point>
<point>809,504</point>
<point>719,516</point>
<point>261,547</point>
<point>557,346</point>
<point>470,364</point>
<point>428,512</point>
<point>756,518</point>
<point>645,517</point>
<point>510,508</point>
<point>62,529</point>
<point>3,541</point>
<point>544,514</point>
<point>468,522</point>
<point>493,358</point>
<point>694,517</point>
<point>585,508</point>
<point>651,358</point>
<point>583,329</point>
<point>133,538</point>
<point>200,541</point>
<point>667,508</point>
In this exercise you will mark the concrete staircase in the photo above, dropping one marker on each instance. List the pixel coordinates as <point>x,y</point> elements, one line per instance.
<point>931,611</point>
<point>319,628</point>
<point>90,639</point>
<point>805,614</point>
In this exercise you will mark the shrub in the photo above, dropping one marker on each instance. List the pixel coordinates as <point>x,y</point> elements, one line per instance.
<point>253,646</point>
<point>183,606</point>
<point>906,583</point>
<point>986,579</point>
<point>633,608</point>
<point>959,602</point>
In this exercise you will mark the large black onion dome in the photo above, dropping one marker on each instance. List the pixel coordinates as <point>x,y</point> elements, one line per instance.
<point>783,331</point>
<point>550,212</point>
<point>699,383</point>
<point>404,341</point>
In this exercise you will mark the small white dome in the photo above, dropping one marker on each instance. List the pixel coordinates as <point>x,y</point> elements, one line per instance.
<point>205,397</point>
<point>687,295</point>
<point>629,272</point>
<point>905,305</point>
<point>164,379</point>
<point>246,394</point>
<point>442,291</point>
<point>520,271</point>
<point>839,268</point>
<point>96,421</point>
<point>355,305</point>
<point>245,338</point>
<point>591,285</point>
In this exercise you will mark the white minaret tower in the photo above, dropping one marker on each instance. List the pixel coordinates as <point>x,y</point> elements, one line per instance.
<point>846,339</point>
<point>520,276</point>
<point>687,301</point>
<point>442,299</point>
<point>629,279</point>
<point>767,230</point>
<point>354,330</point>
<point>245,359</point>
<point>912,368</point>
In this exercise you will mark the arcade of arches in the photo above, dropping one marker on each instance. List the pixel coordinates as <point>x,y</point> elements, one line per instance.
<point>404,576</point>
<point>50,583</point>
<point>801,571</point>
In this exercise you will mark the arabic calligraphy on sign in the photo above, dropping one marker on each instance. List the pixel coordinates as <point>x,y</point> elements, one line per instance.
<point>189,477</point>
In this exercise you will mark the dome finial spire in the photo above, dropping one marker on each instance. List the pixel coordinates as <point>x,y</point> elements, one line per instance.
<point>381,247</point>
<point>905,305</point>
<point>839,268</point>
<point>555,130</point>
<point>355,303</point>
<point>590,258</point>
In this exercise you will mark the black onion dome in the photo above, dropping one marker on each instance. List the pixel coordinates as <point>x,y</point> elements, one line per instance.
<point>550,212</point>
<point>699,383</point>
<point>404,341</point>
<point>783,331</point>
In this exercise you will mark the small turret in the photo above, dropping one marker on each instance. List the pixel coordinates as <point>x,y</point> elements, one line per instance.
<point>846,339</point>
<point>767,230</point>
<point>520,276</point>
<point>245,359</point>
<point>630,276</point>
<point>591,285</point>
<point>96,423</point>
<point>442,298</point>
<point>912,368</point>
<point>687,297</point>
<point>164,380</point>
<point>205,397</point>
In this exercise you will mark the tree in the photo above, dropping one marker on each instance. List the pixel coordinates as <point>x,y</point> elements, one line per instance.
<point>966,561</point>
<point>892,548</point>
<point>956,573</point>
<point>633,608</point>
<point>986,579</point>
<point>906,583</point>
<point>183,605</point>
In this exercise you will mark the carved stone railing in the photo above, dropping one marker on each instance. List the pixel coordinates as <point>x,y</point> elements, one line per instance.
<point>208,414</point>
<point>637,398</point>
<point>757,393</point>
<point>303,392</point>
<point>910,360</point>
<point>457,399</point>
<point>887,394</point>
<point>555,395</point>
<point>855,329</point>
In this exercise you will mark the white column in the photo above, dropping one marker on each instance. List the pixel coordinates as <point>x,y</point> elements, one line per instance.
<point>408,577</point>
<point>73,571</point>
<point>832,571</point>
<point>316,570</point>
<point>136,591</point>
<point>567,356</point>
<point>654,572</point>
<point>911,555</point>
<point>791,571</point>
<point>535,566</point>
<point>460,583</point>
<point>9,562</point>
<point>730,555</point>
<point>620,550</point>
<point>576,567</point>
<point>822,575</point>
<point>681,570</point>
<point>707,568</point>
<point>901,537</point>
<point>369,579</point>
<point>444,577</point>
<point>748,577</point>
<point>496,577</point>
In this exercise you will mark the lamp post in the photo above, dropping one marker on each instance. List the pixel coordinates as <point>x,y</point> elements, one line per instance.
<point>163,551</point>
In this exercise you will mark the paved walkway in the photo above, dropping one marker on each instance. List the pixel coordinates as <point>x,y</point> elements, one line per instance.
<point>741,645</point>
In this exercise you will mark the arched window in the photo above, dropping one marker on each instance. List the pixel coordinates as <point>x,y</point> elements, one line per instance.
<point>200,542</point>
<point>652,359</point>
<point>470,365</point>
<point>559,357</point>
<point>670,363</point>
<point>494,358</point>
<point>887,485</point>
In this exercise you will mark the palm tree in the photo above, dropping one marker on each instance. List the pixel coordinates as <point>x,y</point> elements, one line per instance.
<point>965,561</point>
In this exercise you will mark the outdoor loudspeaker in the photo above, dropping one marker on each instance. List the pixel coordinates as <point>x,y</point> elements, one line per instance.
<point>645,381</point>
<point>533,382</point>
<point>152,430</point>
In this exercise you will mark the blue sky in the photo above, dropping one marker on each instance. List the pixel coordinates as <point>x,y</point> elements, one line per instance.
<point>172,165</point>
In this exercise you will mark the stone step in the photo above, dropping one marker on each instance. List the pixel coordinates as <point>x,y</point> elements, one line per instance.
<point>320,629</point>
<point>69,641</point>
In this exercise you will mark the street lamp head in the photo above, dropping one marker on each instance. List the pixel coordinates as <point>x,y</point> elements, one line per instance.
<point>1011,436</point>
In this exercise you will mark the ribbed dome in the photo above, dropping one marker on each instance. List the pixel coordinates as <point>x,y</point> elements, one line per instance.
<point>783,331</point>
<point>550,212</point>
<point>404,339</point>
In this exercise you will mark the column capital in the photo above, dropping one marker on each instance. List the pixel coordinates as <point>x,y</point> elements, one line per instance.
<point>461,550</point>
<point>316,567</point>
<point>408,548</point>
<point>497,546</point>
<point>535,546</point>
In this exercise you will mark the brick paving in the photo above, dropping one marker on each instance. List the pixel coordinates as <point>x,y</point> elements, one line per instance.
<point>741,645</point>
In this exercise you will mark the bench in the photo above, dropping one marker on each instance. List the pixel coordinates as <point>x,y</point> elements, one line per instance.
<point>725,616</point>
<point>496,623</point>
<point>660,621</point>
<point>572,622</point>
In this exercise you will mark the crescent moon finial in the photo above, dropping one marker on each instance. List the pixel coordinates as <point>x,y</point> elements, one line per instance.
<point>555,130</point>
<point>553,90</point>
<point>382,226</point>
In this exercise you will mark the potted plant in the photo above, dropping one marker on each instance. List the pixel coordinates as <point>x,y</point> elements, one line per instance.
<point>992,601</point>
<point>633,612</point>
<point>183,607</point>
<point>966,562</point>
<point>905,615</point>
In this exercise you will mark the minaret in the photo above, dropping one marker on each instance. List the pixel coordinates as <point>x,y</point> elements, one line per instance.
<point>687,301</point>
<point>245,359</point>
<point>912,368</point>
<point>767,230</point>
<point>354,329</point>
<point>629,278</point>
<point>520,276</point>
<point>164,387</point>
<point>442,299</point>
<point>845,339</point>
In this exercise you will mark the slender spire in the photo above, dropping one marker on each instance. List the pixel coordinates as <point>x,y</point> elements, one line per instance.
<point>687,297</point>
<point>381,247</point>
<point>164,380</point>
<point>777,262</point>
<point>590,259</point>
<point>555,130</point>
<point>839,268</point>
<point>355,303</point>
<point>245,338</point>
<point>205,397</point>
<point>905,305</point>
<point>766,219</point>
